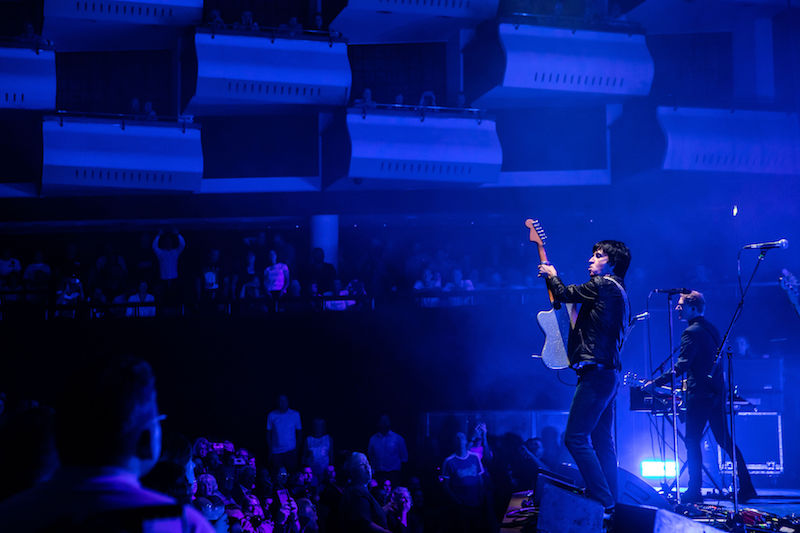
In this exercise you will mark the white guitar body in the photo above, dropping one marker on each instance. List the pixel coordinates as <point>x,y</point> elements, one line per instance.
<point>555,325</point>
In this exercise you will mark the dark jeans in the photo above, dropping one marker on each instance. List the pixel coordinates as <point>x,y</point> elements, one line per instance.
<point>591,415</point>
<point>287,460</point>
<point>699,411</point>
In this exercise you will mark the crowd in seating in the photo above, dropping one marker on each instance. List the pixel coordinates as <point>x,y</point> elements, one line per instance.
<point>101,457</point>
<point>241,272</point>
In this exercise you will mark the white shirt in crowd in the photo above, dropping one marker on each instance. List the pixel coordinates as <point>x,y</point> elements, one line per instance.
<point>387,453</point>
<point>146,311</point>
<point>285,425</point>
<point>168,259</point>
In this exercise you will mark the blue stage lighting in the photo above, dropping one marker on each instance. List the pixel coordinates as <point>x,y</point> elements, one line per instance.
<point>654,469</point>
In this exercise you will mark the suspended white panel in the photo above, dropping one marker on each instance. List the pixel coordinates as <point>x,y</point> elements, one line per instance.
<point>389,145</point>
<point>241,73</point>
<point>720,140</point>
<point>91,154</point>
<point>75,25</point>
<point>392,21</point>
<point>164,12</point>
<point>27,78</point>
<point>559,64</point>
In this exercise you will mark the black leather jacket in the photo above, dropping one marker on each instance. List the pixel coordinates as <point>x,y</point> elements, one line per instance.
<point>699,343</point>
<point>599,327</point>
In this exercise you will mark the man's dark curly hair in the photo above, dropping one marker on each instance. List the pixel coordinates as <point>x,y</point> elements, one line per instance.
<point>619,257</point>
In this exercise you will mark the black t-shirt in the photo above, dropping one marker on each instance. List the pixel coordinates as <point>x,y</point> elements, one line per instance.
<point>358,509</point>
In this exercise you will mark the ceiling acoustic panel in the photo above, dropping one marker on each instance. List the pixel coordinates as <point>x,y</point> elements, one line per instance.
<point>545,65</point>
<point>721,140</point>
<point>83,156</point>
<point>27,78</point>
<point>404,146</point>
<point>244,73</point>
<point>83,25</point>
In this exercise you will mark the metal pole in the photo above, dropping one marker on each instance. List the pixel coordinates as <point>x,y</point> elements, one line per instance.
<point>674,401</point>
<point>736,314</point>
<point>732,413</point>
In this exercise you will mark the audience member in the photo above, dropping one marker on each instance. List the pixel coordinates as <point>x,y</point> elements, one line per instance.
<point>285,251</point>
<point>462,475</point>
<point>149,112</point>
<point>212,280</point>
<point>479,444</point>
<point>359,512</point>
<point>8,265</point>
<point>214,20</point>
<point>37,280</point>
<point>318,453</point>
<point>427,99</point>
<point>321,273</point>
<point>307,516</point>
<point>246,22</point>
<point>169,478</point>
<point>458,284</point>
<point>366,100</point>
<point>283,434</point>
<point>69,297</point>
<point>139,297</point>
<point>37,273</point>
<point>276,279</point>
<point>168,248</point>
<point>108,434</point>
<point>318,21</point>
<point>398,513</point>
<point>213,510</point>
<point>387,451</point>
<point>97,303</point>
<point>110,271</point>
<point>135,108</point>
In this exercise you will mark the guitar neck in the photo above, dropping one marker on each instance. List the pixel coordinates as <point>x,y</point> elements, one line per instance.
<point>543,260</point>
<point>535,237</point>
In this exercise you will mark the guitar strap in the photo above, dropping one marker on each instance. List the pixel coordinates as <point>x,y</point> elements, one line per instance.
<point>626,315</point>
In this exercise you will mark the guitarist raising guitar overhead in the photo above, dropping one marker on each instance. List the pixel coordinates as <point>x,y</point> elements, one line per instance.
<point>593,350</point>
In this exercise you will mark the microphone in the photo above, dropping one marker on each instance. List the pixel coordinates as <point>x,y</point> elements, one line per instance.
<point>680,290</point>
<point>783,244</point>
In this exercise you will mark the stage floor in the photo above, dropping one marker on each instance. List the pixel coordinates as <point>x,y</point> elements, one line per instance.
<point>759,514</point>
<point>777,501</point>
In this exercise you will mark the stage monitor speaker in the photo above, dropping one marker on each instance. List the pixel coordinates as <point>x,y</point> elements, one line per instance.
<point>563,511</point>
<point>632,490</point>
<point>647,519</point>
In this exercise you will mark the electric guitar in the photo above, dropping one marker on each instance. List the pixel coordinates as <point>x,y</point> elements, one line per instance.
<point>790,284</point>
<point>555,323</point>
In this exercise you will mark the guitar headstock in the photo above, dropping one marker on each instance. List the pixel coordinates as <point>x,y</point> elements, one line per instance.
<point>537,234</point>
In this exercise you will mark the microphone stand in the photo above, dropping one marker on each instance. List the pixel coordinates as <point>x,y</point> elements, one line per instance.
<point>731,411</point>
<point>674,404</point>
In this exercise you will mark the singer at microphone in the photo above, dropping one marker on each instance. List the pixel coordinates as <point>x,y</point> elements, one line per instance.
<point>705,398</point>
<point>782,244</point>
